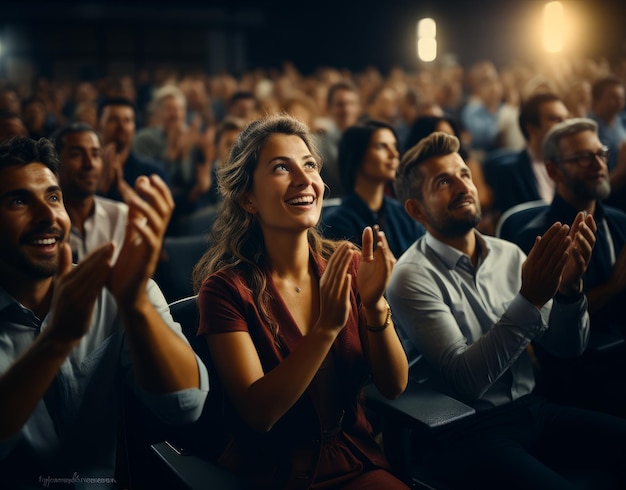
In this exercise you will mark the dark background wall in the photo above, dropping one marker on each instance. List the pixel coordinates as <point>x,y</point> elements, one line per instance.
<point>88,39</point>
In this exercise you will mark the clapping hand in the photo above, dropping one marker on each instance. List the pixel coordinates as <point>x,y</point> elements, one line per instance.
<point>375,267</point>
<point>150,209</point>
<point>583,235</point>
<point>76,289</point>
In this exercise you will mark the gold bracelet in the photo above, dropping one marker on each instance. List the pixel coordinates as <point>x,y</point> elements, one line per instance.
<point>384,325</point>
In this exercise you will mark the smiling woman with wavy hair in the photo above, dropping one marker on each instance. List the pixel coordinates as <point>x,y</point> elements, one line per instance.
<point>295,324</point>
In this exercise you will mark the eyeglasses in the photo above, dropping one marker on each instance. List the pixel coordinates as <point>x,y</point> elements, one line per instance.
<point>586,158</point>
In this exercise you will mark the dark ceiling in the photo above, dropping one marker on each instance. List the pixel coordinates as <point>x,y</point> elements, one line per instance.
<point>350,34</point>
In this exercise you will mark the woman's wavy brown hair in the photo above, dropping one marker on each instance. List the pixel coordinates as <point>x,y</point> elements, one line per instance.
<point>236,241</point>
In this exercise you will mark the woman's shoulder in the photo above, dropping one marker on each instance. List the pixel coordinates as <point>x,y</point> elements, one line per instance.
<point>225,280</point>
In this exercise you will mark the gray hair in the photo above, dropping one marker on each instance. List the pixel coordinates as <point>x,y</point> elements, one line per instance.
<point>569,127</point>
<point>163,93</point>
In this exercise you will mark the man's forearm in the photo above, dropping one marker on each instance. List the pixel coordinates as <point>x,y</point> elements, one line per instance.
<point>162,361</point>
<point>24,384</point>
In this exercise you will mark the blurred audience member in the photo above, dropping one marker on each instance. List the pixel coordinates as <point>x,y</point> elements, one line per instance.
<point>185,149</point>
<point>382,104</point>
<point>409,109</point>
<point>116,123</point>
<point>368,159</point>
<point>480,114</point>
<point>577,97</point>
<point>225,136</point>
<point>87,112</point>
<point>608,101</point>
<point>11,125</point>
<point>95,220</point>
<point>243,105</point>
<point>303,108</point>
<point>343,106</point>
<point>517,177</point>
<point>10,101</point>
<point>198,102</point>
<point>35,117</point>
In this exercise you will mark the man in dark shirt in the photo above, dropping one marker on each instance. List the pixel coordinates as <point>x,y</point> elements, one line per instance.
<point>576,160</point>
<point>521,177</point>
<point>116,119</point>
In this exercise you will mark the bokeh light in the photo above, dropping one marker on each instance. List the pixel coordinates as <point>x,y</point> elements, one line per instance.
<point>554,27</point>
<point>427,39</point>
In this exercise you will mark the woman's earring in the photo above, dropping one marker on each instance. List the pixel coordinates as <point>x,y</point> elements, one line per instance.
<point>326,191</point>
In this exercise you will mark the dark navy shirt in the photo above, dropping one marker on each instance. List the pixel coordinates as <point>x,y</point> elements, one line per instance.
<point>610,239</point>
<point>133,168</point>
<point>349,219</point>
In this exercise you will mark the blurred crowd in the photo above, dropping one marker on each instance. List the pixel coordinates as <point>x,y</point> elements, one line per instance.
<point>179,118</point>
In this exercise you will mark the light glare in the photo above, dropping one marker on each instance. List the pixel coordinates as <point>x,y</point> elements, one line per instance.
<point>553,27</point>
<point>427,49</point>
<point>426,29</point>
<point>427,39</point>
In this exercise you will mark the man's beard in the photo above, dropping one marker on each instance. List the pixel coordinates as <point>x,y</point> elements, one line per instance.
<point>457,227</point>
<point>448,226</point>
<point>585,191</point>
<point>39,269</point>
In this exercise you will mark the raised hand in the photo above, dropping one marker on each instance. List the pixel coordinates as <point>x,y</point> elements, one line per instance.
<point>543,268</point>
<point>181,138</point>
<point>112,170</point>
<point>375,267</point>
<point>150,209</point>
<point>335,286</point>
<point>76,289</point>
<point>583,235</point>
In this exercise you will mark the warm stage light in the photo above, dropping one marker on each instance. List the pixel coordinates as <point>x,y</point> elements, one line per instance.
<point>426,28</point>
<point>427,49</point>
<point>553,27</point>
<point>427,39</point>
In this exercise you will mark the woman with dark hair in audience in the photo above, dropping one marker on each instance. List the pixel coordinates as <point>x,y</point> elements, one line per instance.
<point>295,323</point>
<point>425,125</point>
<point>368,159</point>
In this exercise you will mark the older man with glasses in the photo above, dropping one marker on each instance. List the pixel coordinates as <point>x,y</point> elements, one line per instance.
<point>577,162</point>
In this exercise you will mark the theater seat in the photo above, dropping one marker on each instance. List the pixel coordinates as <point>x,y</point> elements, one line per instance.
<point>417,409</point>
<point>514,219</point>
<point>188,455</point>
<point>416,415</point>
<point>196,223</point>
<point>178,258</point>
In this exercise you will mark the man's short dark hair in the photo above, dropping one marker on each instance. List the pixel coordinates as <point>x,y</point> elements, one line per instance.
<point>33,99</point>
<point>20,150</point>
<point>337,86</point>
<point>123,101</point>
<point>409,180</point>
<point>242,95</point>
<point>600,85</point>
<point>530,108</point>
<point>228,124</point>
<point>59,135</point>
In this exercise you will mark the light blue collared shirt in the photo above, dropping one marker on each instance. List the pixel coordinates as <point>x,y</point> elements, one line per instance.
<point>466,329</point>
<point>72,433</point>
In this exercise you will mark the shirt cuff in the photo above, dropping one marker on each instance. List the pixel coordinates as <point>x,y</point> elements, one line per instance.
<point>568,300</point>
<point>523,313</point>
